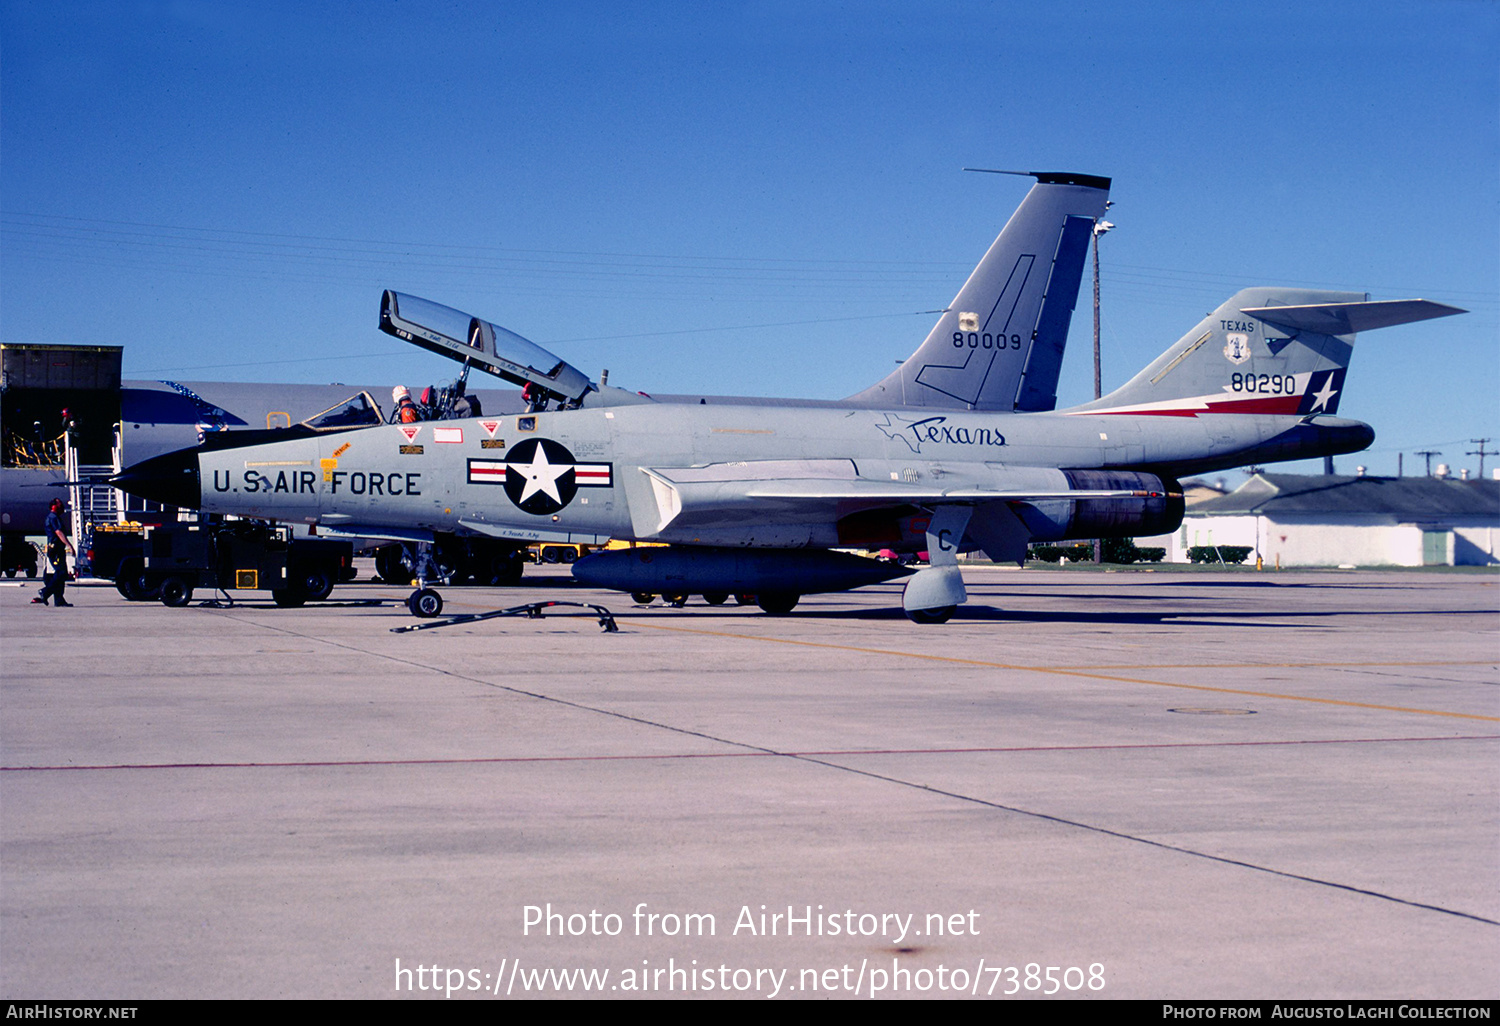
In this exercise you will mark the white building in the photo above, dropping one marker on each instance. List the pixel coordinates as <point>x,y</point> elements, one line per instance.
<point>1297,520</point>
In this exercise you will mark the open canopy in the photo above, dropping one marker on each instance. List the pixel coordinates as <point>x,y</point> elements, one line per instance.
<point>469,340</point>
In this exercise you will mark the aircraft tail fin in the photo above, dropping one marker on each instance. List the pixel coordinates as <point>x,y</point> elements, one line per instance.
<point>999,345</point>
<point>1264,351</point>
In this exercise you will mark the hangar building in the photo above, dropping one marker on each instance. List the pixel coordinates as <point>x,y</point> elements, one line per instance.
<point>1300,520</point>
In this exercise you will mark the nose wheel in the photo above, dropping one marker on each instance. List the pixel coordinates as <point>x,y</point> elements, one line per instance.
<point>425,603</point>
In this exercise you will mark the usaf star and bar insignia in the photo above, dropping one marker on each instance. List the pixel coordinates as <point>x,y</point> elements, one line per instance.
<point>539,475</point>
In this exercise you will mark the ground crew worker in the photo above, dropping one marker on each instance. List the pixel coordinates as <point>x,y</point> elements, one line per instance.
<point>56,577</point>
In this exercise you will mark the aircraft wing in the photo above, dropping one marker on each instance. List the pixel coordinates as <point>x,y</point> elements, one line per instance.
<point>815,490</point>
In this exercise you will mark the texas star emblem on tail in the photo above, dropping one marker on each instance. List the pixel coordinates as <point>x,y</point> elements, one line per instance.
<point>959,449</point>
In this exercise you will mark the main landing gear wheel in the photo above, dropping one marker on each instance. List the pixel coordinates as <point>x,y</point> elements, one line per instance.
<point>941,614</point>
<point>425,603</point>
<point>716,598</point>
<point>778,604</point>
<point>677,601</point>
<point>642,598</point>
<point>390,564</point>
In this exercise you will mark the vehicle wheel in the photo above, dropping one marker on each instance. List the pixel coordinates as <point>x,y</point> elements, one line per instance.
<point>315,584</point>
<point>569,555</point>
<point>778,603</point>
<point>941,614</point>
<point>641,598</point>
<point>176,592</point>
<point>131,582</point>
<point>677,601</point>
<point>425,603</point>
<point>716,598</point>
<point>287,598</point>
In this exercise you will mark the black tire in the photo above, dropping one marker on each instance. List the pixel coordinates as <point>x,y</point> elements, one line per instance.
<point>551,554</point>
<point>176,592</point>
<point>314,583</point>
<point>642,598</point>
<point>508,568</point>
<point>716,598</point>
<point>390,564</point>
<point>131,582</point>
<point>677,600</point>
<point>287,598</point>
<point>452,560</point>
<point>778,603</point>
<point>941,614</point>
<point>425,603</point>
<point>743,599</point>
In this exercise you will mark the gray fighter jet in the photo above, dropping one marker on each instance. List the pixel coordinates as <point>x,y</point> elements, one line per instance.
<point>959,449</point>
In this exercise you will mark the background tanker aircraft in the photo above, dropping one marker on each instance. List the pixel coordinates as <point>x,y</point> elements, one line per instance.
<point>959,449</point>
<point>146,418</point>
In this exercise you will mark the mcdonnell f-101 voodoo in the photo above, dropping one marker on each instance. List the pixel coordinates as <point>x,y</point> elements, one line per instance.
<point>959,449</point>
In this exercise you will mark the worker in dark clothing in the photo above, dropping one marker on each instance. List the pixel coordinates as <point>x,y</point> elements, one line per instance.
<point>58,546</point>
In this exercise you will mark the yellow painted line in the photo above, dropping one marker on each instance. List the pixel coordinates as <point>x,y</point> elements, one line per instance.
<point>1068,672</point>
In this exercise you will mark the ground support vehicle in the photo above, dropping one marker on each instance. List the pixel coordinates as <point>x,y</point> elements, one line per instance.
<point>114,552</point>
<point>168,561</point>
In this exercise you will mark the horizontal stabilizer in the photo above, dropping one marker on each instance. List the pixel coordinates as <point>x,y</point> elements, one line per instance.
<point>1348,318</point>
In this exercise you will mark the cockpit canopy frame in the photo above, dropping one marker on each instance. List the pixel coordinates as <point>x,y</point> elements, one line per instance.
<point>473,342</point>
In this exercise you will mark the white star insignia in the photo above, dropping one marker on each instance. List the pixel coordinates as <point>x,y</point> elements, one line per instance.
<point>541,476</point>
<point>1323,395</point>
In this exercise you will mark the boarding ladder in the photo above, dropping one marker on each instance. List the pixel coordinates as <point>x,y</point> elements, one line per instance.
<point>89,501</point>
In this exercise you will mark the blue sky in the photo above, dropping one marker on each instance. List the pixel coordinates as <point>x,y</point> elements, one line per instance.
<point>742,198</point>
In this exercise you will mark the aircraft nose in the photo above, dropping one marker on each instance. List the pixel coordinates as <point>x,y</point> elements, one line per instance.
<point>171,479</point>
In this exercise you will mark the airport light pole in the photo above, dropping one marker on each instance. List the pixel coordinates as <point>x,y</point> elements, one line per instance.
<point>1100,227</point>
